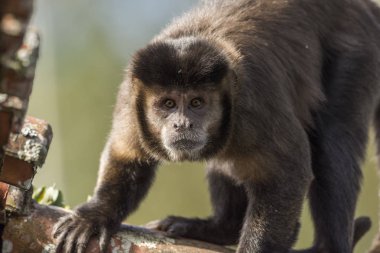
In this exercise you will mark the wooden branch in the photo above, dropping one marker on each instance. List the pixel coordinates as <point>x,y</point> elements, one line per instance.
<point>32,233</point>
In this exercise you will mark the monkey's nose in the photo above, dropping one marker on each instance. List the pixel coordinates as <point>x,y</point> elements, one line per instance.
<point>183,126</point>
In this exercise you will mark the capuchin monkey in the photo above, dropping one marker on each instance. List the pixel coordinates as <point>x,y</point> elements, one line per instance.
<point>277,98</point>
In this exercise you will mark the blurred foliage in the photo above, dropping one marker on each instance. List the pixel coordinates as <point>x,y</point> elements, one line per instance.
<point>86,45</point>
<point>49,195</point>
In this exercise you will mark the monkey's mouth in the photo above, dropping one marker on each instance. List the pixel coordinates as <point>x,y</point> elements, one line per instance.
<point>186,145</point>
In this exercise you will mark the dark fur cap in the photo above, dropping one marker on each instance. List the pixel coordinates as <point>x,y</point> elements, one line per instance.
<point>186,62</point>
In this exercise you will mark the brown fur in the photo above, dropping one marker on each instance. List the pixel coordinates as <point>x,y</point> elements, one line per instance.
<point>287,90</point>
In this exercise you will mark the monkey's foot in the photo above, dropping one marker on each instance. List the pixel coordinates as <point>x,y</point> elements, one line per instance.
<point>361,227</point>
<point>199,229</point>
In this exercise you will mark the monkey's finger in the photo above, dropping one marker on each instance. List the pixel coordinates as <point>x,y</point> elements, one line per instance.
<point>362,226</point>
<point>178,229</point>
<point>105,239</point>
<point>61,241</point>
<point>61,225</point>
<point>83,240</point>
<point>71,240</point>
<point>166,223</point>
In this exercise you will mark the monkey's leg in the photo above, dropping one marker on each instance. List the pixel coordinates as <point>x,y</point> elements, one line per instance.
<point>361,226</point>
<point>229,203</point>
<point>120,189</point>
<point>334,191</point>
<point>338,147</point>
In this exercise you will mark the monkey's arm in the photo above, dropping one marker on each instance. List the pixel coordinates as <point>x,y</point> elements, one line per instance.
<point>121,186</point>
<point>275,197</point>
<point>125,175</point>
<point>271,223</point>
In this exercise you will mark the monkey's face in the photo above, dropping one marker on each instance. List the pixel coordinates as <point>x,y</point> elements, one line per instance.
<point>183,120</point>
<point>184,98</point>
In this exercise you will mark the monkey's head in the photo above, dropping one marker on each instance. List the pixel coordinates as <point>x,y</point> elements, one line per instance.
<point>184,98</point>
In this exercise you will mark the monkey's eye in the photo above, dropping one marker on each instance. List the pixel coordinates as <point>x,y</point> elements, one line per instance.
<point>169,103</point>
<point>196,102</point>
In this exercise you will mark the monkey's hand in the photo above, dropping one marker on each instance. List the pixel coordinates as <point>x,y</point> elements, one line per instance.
<point>207,230</point>
<point>73,231</point>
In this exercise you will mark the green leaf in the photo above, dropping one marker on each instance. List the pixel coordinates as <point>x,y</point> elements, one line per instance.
<point>49,196</point>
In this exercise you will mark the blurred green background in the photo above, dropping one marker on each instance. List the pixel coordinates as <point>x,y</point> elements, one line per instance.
<point>86,45</point>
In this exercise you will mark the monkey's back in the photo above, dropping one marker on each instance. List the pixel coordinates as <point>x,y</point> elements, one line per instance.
<point>290,41</point>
